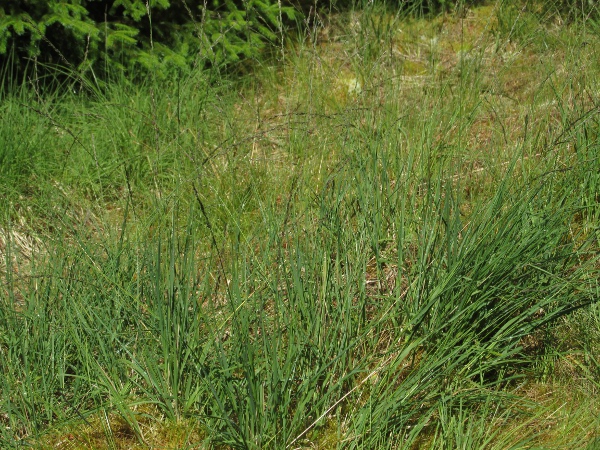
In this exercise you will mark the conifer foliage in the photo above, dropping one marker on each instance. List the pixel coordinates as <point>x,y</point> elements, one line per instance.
<point>123,34</point>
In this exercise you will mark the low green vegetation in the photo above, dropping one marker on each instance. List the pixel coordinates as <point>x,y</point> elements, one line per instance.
<point>385,235</point>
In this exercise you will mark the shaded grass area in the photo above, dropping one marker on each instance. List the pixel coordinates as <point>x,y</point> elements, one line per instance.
<point>389,239</point>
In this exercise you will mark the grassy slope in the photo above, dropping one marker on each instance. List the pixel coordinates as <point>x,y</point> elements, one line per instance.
<point>374,243</point>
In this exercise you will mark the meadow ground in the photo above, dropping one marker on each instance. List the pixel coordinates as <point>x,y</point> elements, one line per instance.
<point>383,235</point>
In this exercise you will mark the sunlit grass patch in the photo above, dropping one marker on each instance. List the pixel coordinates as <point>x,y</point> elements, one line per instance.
<point>388,239</point>
<point>109,430</point>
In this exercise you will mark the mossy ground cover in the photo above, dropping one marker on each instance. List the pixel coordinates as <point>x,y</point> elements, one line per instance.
<point>385,236</point>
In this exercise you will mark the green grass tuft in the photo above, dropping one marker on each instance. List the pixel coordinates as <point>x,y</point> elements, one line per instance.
<point>389,239</point>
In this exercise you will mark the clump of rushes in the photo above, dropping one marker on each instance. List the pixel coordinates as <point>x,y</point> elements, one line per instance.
<point>276,262</point>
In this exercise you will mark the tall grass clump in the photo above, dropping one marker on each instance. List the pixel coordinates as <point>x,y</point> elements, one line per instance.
<point>374,245</point>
